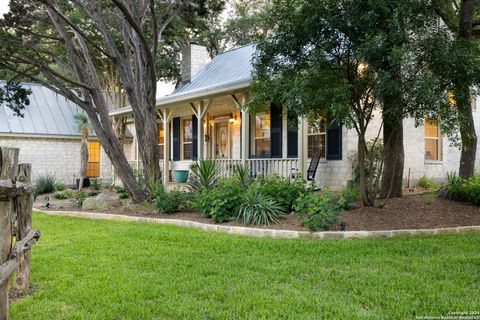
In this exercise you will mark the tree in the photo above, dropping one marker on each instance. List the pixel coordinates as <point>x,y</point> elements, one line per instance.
<point>345,59</point>
<point>81,120</point>
<point>463,20</point>
<point>65,44</point>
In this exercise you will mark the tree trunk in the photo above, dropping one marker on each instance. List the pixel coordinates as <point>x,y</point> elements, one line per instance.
<point>365,193</point>
<point>462,97</point>
<point>467,131</point>
<point>392,176</point>
<point>83,162</point>
<point>23,206</point>
<point>8,167</point>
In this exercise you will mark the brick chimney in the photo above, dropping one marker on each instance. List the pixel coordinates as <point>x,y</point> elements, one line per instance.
<point>194,58</point>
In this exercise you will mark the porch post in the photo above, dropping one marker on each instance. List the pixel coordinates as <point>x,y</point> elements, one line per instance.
<point>200,110</point>
<point>302,146</point>
<point>245,136</point>
<point>166,116</point>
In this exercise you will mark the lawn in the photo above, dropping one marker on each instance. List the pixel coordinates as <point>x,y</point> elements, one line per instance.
<point>87,269</point>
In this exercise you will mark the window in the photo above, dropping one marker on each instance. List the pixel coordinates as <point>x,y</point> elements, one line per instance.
<point>187,139</point>
<point>93,164</point>
<point>432,140</point>
<point>261,135</point>
<point>161,139</point>
<point>316,139</point>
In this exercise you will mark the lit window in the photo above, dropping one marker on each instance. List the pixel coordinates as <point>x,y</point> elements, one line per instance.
<point>432,140</point>
<point>316,138</point>
<point>261,139</point>
<point>161,139</point>
<point>187,139</point>
<point>93,164</point>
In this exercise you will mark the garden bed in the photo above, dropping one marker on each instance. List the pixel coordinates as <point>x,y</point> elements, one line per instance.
<point>419,211</point>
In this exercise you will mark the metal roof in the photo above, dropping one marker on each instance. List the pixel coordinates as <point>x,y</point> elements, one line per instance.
<point>230,70</point>
<point>47,114</point>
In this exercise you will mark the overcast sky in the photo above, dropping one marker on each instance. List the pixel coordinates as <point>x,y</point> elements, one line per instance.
<point>3,6</point>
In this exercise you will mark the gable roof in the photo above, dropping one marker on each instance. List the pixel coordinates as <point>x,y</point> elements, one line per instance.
<point>228,71</point>
<point>47,114</point>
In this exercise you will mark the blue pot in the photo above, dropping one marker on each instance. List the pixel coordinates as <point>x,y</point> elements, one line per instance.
<point>181,176</point>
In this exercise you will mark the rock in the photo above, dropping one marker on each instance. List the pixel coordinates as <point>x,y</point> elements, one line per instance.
<point>100,205</point>
<point>106,196</point>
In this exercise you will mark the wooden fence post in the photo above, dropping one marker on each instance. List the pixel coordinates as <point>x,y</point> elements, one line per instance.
<point>23,206</point>
<point>8,167</point>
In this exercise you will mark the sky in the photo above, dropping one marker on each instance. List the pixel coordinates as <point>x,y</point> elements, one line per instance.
<point>3,6</point>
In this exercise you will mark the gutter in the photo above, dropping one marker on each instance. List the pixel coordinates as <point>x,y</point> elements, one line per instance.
<point>175,99</point>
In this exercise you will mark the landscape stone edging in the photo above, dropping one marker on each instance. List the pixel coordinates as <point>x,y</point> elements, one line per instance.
<point>256,232</point>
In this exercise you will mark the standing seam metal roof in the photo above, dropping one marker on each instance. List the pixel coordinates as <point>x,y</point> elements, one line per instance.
<point>47,114</point>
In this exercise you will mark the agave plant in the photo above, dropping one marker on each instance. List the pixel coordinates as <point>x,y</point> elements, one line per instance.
<point>258,208</point>
<point>204,174</point>
<point>243,176</point>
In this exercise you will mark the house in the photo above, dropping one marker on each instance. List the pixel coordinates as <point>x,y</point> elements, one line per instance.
<point>204,118</point>
<point>48,139</point>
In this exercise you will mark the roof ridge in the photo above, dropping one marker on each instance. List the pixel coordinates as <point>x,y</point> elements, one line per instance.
<point>236,48</point>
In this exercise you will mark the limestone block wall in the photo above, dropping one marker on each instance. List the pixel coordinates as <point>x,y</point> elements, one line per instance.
<point>57,156</point>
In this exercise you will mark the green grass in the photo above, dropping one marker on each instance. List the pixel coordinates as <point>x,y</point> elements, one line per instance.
<point>86,269</point>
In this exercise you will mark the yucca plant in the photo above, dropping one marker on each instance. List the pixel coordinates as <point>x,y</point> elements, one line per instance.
<point>259,209</point>
<point>243,176</point>
<point>204,174</point>
<point>45,184</point>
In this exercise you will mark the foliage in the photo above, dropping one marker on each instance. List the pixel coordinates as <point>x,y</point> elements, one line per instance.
<point>169,202</point>
<point>318,211</point>
<point>426,183</point>
<point>258,208</point>
<point>155,188</point>
<point>282,189</point>
<point>93,193</point>
<point>220,203</point>
<point>59,186</point>
<point>464,189</point>
<point>14,96</point>
<point>95,182</point>
<point>123,195</point>
<point>45,184</point>
<point>243,176</point>
<point>348,197</point>
<point>204,174</point>
<point>79,198</point>
<point>65,194</point>
<point>120,189</point>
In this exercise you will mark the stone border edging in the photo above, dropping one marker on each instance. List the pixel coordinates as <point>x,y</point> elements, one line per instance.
<point>267,233</point>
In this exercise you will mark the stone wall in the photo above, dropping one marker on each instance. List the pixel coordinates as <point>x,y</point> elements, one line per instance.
<point>57,156</point>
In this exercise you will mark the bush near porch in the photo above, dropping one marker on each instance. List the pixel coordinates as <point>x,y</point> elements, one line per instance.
<point>98,269</point>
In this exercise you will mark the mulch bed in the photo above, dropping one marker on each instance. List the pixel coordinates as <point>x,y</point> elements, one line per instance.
<point>417,211</point>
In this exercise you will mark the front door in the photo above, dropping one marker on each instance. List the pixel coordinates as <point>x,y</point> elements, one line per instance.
<point>222,147</point>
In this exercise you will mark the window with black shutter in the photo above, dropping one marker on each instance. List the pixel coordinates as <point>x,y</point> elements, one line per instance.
<point>334,142</point>
<point>176,138</point>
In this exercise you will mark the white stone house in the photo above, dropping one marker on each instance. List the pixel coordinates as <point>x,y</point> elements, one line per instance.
<point>48,139</point>
<point>204,118</point>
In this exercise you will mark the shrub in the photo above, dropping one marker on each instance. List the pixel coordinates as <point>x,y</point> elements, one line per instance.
<point>123,195</point>
<point>59,186</point>
<point>93,193</point>
<point>259,208</point>
<point>204,174</point>
<point>283,189</point>
<point>95,182</point>
<point>426,183</point>
<point>318,212</point>
<point>59,195</point>
<point>155,188</point>
<point>65,194</point>
<point>464,189</point>
<point>349,196</point>
<point>169,202</point>
<point>120,189</point>
<point>79,198</point>
<point>243,176</point>
<point>220,203</point>
<point>45,184</point>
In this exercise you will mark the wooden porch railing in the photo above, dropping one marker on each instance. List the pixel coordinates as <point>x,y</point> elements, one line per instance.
<point>282,166</point>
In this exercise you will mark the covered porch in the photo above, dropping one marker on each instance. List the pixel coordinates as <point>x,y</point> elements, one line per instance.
<point>219,127</point>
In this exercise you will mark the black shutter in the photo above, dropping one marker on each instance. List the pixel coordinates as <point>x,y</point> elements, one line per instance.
<point>176,138</point>
<point>292,136</point>
<point>275,131</point>
<point>334,142</point>
<point>194,137</point>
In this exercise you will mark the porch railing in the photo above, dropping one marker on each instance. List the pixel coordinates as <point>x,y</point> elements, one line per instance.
<point>286,167</point>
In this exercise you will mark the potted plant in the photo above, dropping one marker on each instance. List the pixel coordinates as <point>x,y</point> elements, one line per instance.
<point>181,176</point>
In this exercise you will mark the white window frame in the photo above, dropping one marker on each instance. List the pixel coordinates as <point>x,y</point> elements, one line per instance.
<point>182,138</point>
<point>324,133</point>
<point>161,142</point>
<point>254,138</point>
